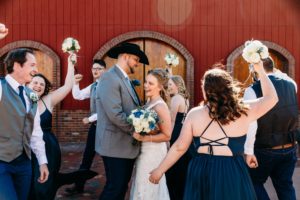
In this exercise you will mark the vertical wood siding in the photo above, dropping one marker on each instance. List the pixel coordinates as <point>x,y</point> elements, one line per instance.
<point>211,31</point>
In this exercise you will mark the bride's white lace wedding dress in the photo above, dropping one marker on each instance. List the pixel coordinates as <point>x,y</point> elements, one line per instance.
<point>152,153</point>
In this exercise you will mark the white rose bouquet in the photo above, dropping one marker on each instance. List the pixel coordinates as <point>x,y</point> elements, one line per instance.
<point>144,121</point>
<point>171,59</point>
<point>254,51</point>
<point>71,46</point>
<point>3,31</point>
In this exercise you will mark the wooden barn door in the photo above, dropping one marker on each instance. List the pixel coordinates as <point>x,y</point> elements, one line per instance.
<point>156,51</point>
<point>241,71</point>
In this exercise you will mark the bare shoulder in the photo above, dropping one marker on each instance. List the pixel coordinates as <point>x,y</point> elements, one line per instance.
<point>161,107</point>
<point>178,98</point>
<point>196,113</point>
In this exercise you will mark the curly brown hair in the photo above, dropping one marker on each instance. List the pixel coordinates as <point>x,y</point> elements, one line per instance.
<point>223,96</point>
<point>162,77</point>
<point>48,85</point>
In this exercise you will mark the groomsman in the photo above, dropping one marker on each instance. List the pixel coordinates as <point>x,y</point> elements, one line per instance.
<point>20,130</point>
<point>115,99</point>
<point>274,137</point>
<point>98,68</point>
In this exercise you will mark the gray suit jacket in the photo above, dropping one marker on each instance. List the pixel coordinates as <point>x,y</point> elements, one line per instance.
<point>114,102</point>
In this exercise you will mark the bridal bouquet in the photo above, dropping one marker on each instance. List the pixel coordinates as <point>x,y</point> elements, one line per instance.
<point>70,45</point>
<point>254,51</point>
<point>171,59</point>
<point>144,121</point>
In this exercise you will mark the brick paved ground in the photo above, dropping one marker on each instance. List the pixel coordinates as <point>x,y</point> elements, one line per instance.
<point>71,157</point>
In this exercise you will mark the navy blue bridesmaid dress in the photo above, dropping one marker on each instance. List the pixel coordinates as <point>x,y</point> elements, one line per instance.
<point>214,177</point>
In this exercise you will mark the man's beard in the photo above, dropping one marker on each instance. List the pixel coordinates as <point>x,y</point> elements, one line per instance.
<point>131,70</point>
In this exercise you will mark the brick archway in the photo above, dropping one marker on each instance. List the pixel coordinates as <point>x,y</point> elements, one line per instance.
<point>271,45</point>
<point>161,37</point>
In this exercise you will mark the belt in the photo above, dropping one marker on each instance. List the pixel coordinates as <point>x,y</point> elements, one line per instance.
<point>285,146</point>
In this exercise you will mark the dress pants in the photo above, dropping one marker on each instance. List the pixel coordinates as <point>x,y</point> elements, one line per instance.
<point>15,178</point>
<point>279,165</point>
<point>88,155</point>
<point>118,173</point>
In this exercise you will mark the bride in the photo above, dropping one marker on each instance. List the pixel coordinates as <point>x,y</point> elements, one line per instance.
<point>154,146</point>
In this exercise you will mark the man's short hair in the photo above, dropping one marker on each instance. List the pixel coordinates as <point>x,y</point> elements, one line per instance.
<point>100,62</point>
<point>269,64</point>
<point>16,55</point>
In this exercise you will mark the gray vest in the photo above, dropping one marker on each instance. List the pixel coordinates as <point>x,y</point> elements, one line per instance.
<point>15,124</point>
<point>93,98</point>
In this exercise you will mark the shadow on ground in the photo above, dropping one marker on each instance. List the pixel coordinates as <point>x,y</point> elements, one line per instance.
<point>71,158</point>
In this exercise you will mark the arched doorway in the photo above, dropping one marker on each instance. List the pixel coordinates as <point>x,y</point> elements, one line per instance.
<point>284,61</point>
<point>155,45</point>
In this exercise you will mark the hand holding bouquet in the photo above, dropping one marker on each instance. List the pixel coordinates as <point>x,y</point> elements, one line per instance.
<point>144,122</point>
<point>71,46</point>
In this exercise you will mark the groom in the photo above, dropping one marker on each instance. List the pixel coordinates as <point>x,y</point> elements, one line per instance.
<point>115,98</point>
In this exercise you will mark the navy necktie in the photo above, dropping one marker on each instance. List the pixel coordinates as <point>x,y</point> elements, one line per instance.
<point>133,90</point>
<point>21,95</point>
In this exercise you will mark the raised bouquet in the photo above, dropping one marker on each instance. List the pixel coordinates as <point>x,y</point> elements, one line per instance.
<point>171,59</point>
<point>254,51</point>
<point>71,46</point>
<point>144,121</point>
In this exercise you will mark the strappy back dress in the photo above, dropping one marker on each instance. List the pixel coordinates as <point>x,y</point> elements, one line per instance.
<point>215,177</point>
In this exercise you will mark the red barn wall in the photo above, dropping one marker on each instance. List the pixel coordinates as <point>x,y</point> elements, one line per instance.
<point>209,29</point>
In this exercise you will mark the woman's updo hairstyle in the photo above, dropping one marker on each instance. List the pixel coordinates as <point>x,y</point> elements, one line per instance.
<point>179,82</point>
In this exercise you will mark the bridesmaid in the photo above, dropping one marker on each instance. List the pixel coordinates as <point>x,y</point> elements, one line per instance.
<point>219,128</point>
<point>176,175</point>
<point>47,100</point>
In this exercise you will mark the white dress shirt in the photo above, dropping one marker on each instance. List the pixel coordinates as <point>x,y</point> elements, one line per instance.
<point>250,94</point>
<point>83,94</point>
<point>37,143</point>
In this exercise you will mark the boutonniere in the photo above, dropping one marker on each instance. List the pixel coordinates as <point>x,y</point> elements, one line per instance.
<point>34,97</point>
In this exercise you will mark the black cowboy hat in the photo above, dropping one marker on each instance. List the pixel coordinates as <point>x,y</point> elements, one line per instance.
<point>129,48</point>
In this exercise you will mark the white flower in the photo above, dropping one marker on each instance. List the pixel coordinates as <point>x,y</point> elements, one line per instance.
<point>143,120</point>
<point>70,45</point>
<point>254,58</point>
<point>171,59</point>
<point>135,121</point>
<point>138,128</point>
<point>264,53</point>
<point>254,51</point>
<point>2,27</point>
<point>33,96</point>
